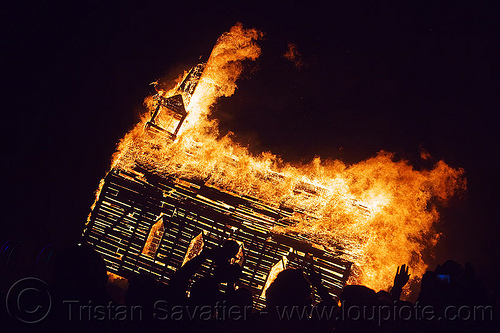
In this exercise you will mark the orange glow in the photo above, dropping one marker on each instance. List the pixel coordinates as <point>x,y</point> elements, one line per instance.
<point>273,273</point>
<point>380,211</point>
<point>293,55</point>
<point>194,249</point>
<point>154,239</point>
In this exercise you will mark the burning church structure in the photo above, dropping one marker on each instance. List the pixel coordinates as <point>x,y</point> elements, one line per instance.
<point>177,186</point>
<point>143,222</point>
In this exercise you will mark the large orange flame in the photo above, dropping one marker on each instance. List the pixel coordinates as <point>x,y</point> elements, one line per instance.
<point>379,212</point>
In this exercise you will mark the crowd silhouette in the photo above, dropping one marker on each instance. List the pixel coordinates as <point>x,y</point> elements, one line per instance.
<point>451,299</point>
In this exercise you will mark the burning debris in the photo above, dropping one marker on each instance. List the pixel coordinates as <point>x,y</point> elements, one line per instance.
<point>293,55</point>
<point>175,187</point>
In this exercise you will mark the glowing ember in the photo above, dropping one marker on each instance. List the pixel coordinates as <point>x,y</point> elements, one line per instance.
<point>380,211</point>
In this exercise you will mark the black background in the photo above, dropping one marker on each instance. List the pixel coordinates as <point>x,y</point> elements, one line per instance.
<point>377,76</point>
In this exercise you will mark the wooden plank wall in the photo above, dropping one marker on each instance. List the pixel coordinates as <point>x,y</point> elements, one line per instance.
<point>131,203</point>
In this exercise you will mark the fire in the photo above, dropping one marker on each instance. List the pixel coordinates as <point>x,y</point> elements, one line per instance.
<point>378,213</point>
<point>293,55</point>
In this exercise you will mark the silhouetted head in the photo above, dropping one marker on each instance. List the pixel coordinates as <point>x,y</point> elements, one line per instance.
<point>358,295</point>
<point>230,248</point>
<point>451,268</point>
<point>289,288</point>
<point>451,283</point>
<point>384,297</point>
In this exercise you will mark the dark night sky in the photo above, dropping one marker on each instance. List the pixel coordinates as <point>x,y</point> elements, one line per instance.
<point>376,77</point>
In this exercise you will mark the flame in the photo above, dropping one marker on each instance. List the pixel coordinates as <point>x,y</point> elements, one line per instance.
<point>293,55</point>
<point>380,212</point>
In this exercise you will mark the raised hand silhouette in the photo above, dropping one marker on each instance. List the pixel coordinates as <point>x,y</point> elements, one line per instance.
<point>400,280</point>
<point>402,276</point>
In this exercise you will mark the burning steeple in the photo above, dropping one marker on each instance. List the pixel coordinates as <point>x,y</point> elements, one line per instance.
<point>170,112</point>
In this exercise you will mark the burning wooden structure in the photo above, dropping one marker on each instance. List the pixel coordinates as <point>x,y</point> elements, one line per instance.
<point>144,222</point>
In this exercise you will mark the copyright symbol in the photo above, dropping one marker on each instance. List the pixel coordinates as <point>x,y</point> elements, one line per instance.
<point>28,300</point>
